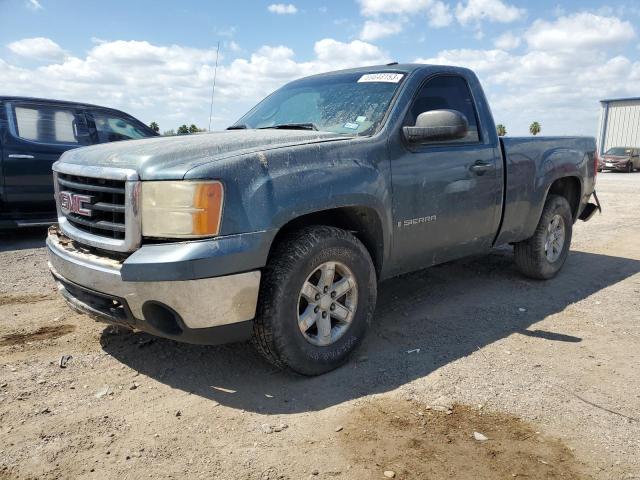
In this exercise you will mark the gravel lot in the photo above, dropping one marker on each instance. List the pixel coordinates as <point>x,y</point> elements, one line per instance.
<point>547,371</point>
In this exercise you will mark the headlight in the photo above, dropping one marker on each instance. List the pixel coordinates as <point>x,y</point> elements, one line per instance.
<point>182,209</point>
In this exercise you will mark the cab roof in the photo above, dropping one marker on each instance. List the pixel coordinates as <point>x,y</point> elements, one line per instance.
<point>12,98</point>
<point>406,68</point>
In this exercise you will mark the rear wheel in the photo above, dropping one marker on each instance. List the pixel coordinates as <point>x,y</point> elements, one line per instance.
<point>543,255</point>
<point>630,167</point>
<point>316,301</point>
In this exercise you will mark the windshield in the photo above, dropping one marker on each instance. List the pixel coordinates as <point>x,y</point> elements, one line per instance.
<point>619,151</point>
<point>348,103</point>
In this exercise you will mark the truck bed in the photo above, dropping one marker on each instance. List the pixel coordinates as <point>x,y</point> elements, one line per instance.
<point>530,167</point>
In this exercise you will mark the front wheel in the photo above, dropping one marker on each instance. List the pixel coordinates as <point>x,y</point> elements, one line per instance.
<point>316,301</point>
<point>543,255</point>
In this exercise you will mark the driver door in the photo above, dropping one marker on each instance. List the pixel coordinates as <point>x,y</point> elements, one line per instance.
<point>446,194</point>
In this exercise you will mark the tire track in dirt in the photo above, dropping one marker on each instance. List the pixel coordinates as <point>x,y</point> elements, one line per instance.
<point>24,299</point>
<point>43,333</point>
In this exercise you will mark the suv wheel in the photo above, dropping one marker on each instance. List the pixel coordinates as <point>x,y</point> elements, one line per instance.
<point>316,301</point>
<point>543,255</point>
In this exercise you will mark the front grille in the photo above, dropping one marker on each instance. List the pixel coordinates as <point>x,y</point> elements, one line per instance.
<point>107,205</point>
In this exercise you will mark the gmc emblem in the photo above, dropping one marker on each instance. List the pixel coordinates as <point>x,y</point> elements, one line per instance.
<point>74,203</point>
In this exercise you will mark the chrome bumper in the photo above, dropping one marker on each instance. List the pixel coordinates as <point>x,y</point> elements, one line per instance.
<point>202,303</point>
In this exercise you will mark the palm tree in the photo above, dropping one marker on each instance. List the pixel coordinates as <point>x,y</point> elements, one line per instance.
<point>502,130</point>
<point>154,126</point>
<point>534,128</point>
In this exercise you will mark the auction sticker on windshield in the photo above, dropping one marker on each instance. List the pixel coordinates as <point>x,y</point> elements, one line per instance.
<point>381,77</point>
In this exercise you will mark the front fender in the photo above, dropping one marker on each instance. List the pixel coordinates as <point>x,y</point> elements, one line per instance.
<point>286,196</point>
<point>267,190</point>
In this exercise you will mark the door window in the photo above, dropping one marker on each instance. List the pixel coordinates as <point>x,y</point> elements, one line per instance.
<point>447,92</point>
<point>112,128</point>
<point>47,124</point>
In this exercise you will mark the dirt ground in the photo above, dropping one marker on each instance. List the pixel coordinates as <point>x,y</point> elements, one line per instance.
<point>547,372</point>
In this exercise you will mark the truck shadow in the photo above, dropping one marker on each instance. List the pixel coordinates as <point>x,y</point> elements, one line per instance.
<point>448,312</point>
<point>22,239</point>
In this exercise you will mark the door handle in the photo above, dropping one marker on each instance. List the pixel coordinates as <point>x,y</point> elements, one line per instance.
<point>20,155</point>
<point>481,167</point>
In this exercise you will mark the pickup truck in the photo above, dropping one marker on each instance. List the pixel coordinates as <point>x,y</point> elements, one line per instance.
<point>280,228</point>
<point>34,132</point>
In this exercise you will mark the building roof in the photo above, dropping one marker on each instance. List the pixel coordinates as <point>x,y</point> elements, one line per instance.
<point>630,99</point>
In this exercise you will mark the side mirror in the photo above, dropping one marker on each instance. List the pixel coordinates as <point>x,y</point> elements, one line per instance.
<point>437,125</point>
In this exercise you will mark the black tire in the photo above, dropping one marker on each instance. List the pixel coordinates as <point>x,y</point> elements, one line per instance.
<point>276,334</point>
<point>630,168</point>
<point>530,255</point>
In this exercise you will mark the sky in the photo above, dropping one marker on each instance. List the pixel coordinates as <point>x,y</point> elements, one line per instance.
<point>546,61</point>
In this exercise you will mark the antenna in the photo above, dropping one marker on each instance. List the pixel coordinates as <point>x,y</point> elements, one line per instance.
<point>213,88</point>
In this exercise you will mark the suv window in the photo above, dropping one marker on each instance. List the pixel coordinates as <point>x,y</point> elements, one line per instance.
<point>112,128</point>
<point>47,124</point>
<point>447,92</point>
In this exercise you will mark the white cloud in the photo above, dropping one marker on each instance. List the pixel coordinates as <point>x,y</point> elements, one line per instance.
<point>493,10</point>
<point>172,84</point>
<point>372,8</point>
<point>579,31</point>
<point>507,41</point>
<point>332,53</point>
<point>437,13</point>
<point>228,32</point>
<point>282,9</point>
<point>34,5</point>
<point>39,48</point>
<point>480,61</point>
<point>390,16</point>
<point>233,46</point>
<point>373,29</point>
<point>559,89</point>
<point>440,15</point>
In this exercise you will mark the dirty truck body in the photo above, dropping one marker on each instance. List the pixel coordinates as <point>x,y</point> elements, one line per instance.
<point>278,231</point>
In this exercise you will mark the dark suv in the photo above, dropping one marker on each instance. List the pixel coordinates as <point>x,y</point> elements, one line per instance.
<point>34,133</point>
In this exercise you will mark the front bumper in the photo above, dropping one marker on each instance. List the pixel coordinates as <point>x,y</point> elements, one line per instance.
<point>202,310</point>
<point>620,167</point>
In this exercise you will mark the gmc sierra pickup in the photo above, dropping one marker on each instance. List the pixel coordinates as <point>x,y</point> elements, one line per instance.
<point>280,228</point>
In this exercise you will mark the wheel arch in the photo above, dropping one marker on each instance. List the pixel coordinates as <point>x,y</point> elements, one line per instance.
<point>569,187</point>
<point>364,222</point>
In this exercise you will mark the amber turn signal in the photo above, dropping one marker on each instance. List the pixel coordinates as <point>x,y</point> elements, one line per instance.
<point>181,209</point>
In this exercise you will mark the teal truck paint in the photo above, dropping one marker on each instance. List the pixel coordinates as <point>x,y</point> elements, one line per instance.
<point>389,169</point>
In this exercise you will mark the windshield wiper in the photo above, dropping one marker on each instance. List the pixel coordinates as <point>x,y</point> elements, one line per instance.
<point>241,126</point>
<point>293,126</point>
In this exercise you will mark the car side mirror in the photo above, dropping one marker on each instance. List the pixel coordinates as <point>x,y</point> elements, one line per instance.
<point>437,125</point>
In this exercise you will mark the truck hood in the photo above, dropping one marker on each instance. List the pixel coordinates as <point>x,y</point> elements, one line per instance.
<point>169,158</point>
